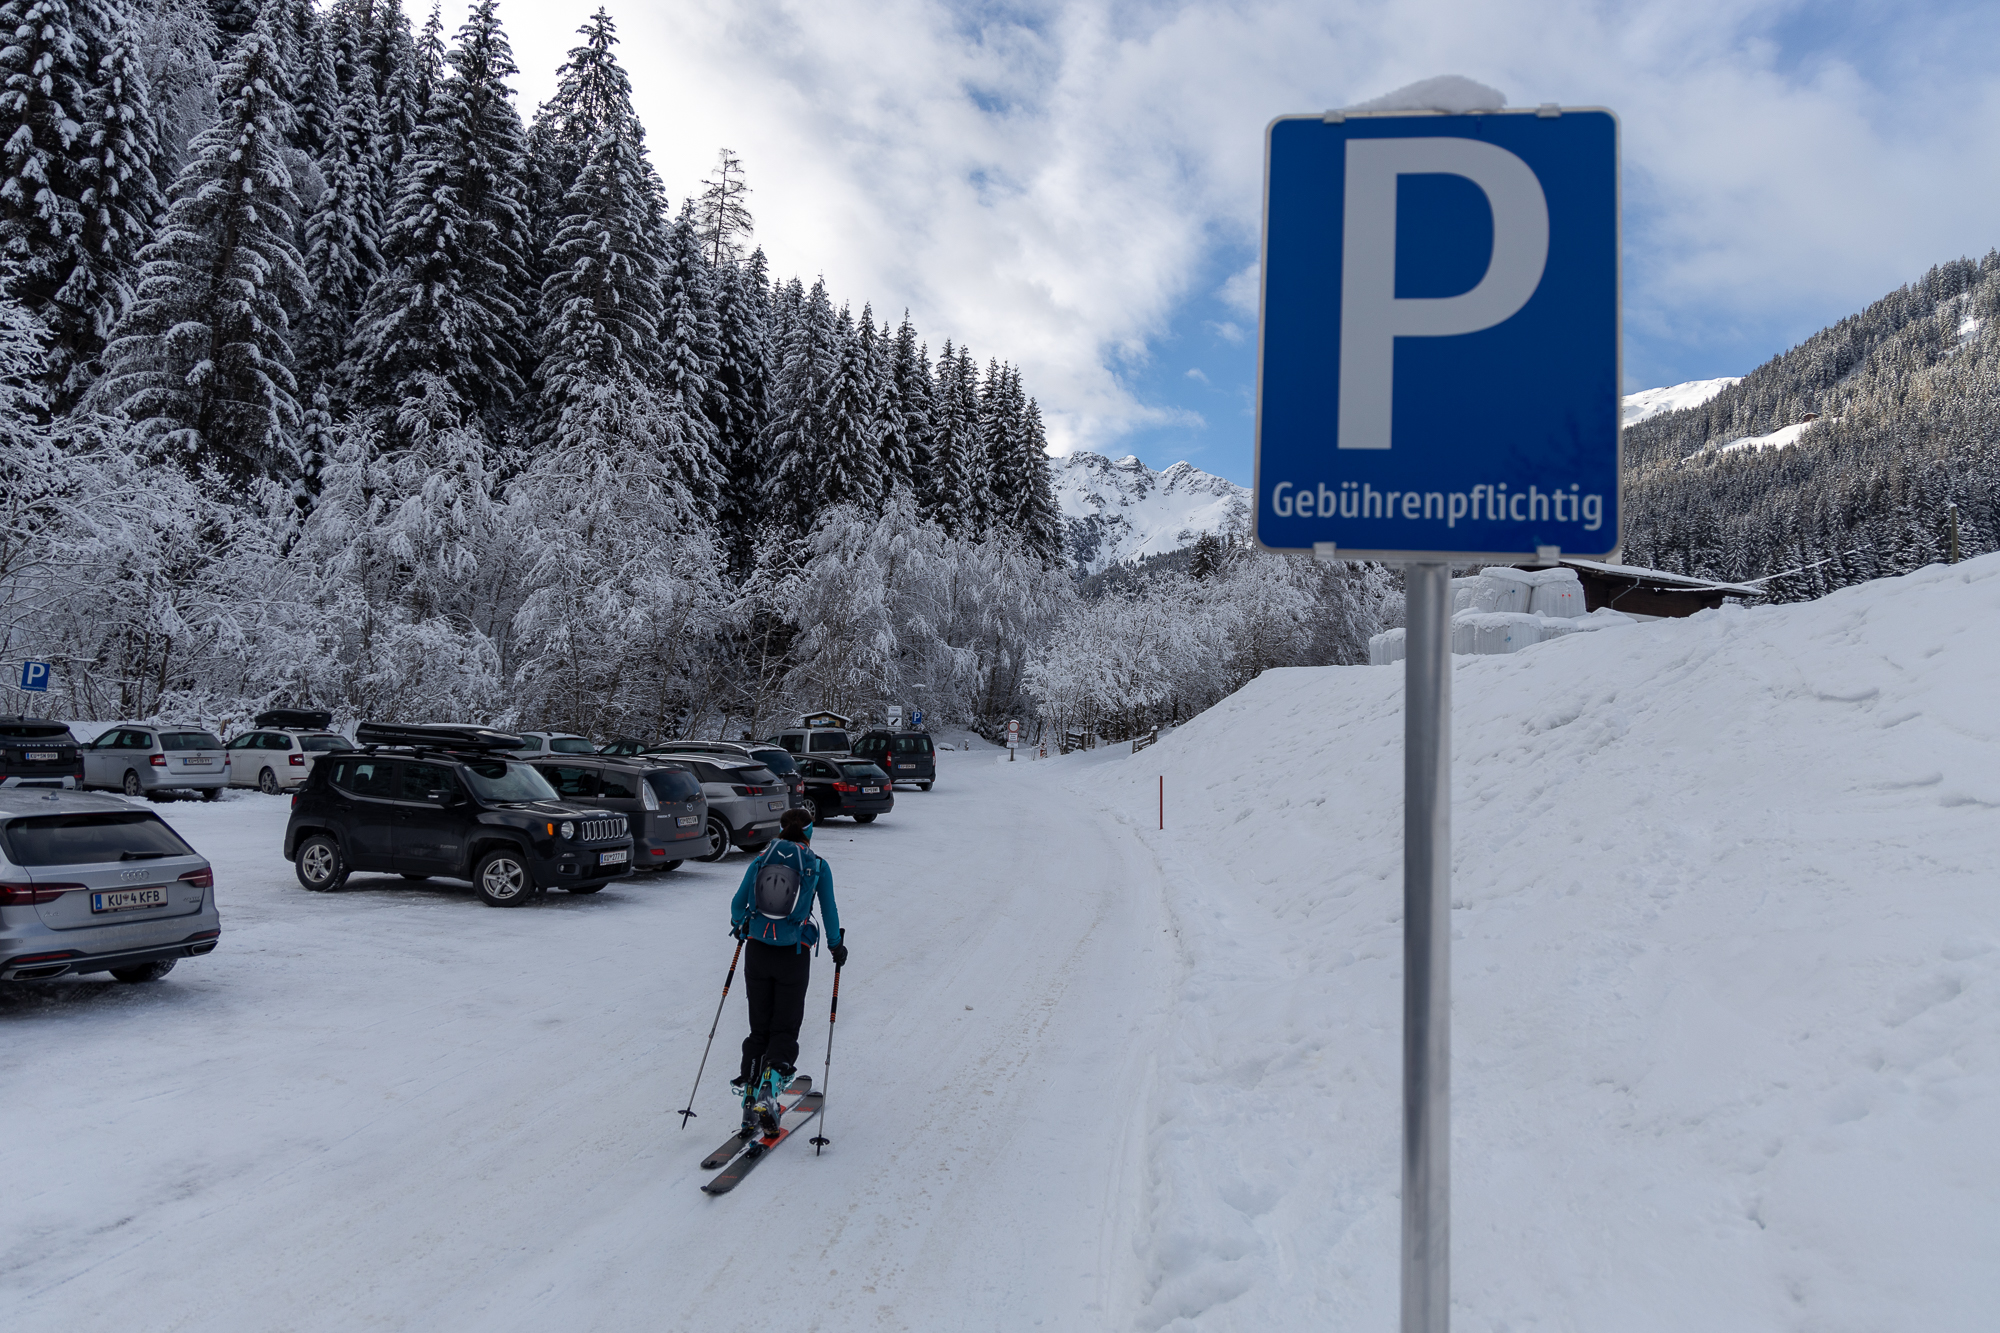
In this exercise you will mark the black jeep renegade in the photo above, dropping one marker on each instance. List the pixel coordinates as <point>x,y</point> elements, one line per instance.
<point>425,801</point>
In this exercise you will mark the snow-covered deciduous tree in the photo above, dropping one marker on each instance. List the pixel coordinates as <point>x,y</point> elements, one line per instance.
<point>202,365</point>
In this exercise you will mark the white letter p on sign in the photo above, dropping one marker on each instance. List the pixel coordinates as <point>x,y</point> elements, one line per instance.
<point>1371,318</point>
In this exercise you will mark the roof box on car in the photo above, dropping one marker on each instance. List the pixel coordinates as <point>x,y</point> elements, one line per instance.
<point>302,719</point>
<point>435,737</point>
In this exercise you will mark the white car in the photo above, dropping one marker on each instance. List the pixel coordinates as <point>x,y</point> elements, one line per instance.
<point>143,758</point>
<point>275,759</point>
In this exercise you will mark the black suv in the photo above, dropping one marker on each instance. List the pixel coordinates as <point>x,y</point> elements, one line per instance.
<point>424,801</point>
<point>845,785</point>
<point>35,752</point>
<point>906,756</point>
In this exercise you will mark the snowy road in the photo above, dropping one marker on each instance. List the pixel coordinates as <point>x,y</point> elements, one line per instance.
<point>395,1108</point>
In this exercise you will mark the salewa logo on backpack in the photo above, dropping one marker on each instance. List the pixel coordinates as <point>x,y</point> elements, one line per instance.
<point>779,880</point>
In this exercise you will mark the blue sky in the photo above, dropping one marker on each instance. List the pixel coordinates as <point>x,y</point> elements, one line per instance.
<point>1076,187</point>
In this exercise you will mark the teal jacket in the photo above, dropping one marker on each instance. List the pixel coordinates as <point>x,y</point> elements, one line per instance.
<point>747,921</point>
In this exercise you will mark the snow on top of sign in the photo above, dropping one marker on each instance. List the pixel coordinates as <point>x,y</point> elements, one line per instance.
<point>1447,92</point>
<point>1636,407</point>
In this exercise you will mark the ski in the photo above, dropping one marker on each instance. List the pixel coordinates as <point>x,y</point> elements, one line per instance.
<point>732,1175</point>
<point>735,1143</point>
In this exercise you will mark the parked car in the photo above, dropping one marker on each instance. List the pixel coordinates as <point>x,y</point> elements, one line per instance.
<point>846,787</point>
<point>35,752</point>
<point>622,747</point>
<point>279,755</point>
<point>778,761</point>
<point>906,756</point>
<point>665,806</point>
<point>813,740</point>
<point>452,802</point>
<point>745,800</point>
<point>90,884</point>
<point>144,759</point>
<point>535,744</point>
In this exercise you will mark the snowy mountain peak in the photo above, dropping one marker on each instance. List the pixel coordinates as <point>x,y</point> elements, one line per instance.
<point>1636,407</point>
<point>1117,510</point>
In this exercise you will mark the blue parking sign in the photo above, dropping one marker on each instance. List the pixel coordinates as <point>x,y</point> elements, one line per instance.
<point>1438,363</point>
<point>35,677</point>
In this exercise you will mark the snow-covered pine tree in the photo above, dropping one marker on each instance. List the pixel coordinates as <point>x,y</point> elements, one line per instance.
<point>600,311</point>
<point>202,364</point>
<point>850,463</point>
<point>799,427</point>
<point>993,454</point>
<point>690,349</point>
<point>949,499</point>
<point>451,301</point>
<point>77,149</point>
<point>177,39</point>
<point>430,57</point>
<point>233,18</point>
<point>343,233</point>
<point>726,225</point>
<point>593,94</point>
<point>906,418</point>
<point>1030,496</point>
<point>738,403</point>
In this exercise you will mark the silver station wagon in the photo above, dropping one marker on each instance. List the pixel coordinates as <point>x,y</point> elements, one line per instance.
<point>94,884</point>
<point>141,758</point>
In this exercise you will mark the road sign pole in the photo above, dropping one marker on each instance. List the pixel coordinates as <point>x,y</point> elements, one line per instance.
<point>1427,952</point>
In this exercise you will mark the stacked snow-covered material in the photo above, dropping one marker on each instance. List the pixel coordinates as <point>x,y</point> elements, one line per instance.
<point>1504,632</point>
<point>1503,589</point>
<point>1556,592</point>
<point>1388,648</point>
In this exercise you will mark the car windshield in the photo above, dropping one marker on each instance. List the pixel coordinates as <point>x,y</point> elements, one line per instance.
<point>756,776</point>
<point>499,781</point>
<point>777,761</point>
<point>35,731</point>
<point>572,745</point>
<point>673,784</point>
<point>825,741</point>
<point>862,771</point>
<point>188,740</point>
<point>324,744</point>
<point>92,838</point>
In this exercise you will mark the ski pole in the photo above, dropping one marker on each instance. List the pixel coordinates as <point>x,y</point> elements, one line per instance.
<point>820,1140</point>
<point>689,1110</point>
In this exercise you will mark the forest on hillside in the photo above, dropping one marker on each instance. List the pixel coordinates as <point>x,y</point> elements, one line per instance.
<point>328,380</point>
<point>1898,464</point>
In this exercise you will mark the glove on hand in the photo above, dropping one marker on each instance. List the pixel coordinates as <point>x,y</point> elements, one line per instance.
<point>839,951</point>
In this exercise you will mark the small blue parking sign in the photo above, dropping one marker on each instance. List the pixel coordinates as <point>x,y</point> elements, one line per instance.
<point>1438,363</point>
<point>35,677</point>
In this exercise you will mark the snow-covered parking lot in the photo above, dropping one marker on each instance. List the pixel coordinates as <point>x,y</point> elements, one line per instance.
<point>1726,1026</point>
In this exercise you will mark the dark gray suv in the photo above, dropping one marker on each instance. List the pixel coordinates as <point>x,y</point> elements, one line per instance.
<point>665,806</point>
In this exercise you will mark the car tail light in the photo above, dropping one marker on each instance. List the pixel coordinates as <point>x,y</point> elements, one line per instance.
<point>158,761</point>
<point>298,761</point>
<point>201,879</point>
<point>21,895</point>
<point>845,786</point>
<point>749,791</point>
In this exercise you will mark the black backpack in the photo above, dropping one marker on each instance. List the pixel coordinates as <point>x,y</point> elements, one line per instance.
<point>780,879</point>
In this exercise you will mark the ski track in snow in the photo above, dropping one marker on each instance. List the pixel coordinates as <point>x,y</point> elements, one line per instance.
<point>1726,966</point>
<point>394,1108</point>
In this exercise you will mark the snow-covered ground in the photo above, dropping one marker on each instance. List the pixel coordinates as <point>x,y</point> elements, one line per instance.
<point>1636,407</point>
<point>1727,975</point>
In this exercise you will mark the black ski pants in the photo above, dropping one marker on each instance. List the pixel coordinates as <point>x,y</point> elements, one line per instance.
<point>774,982</point>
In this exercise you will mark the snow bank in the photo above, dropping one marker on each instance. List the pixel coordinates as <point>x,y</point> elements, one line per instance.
<point>1727,983</point>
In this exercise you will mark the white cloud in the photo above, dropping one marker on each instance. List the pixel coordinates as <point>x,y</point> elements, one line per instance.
<point>1194,373</point>
<point>1049,181</point>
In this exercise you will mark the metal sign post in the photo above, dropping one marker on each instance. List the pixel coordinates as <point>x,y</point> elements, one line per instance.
<point>1437,382</point>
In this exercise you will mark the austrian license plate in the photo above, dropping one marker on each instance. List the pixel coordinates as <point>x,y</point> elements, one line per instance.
<point>129,900</point>
<point>197,763</point>
<point>42,757</point>
<point>776,805</point>
<point>906,766</point>
<point>616,858</point>
<point>688,821</point>
<point>871,791</point>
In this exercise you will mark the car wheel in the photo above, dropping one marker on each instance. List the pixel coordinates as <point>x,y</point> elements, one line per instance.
<point>144,971</point>
<point>864,819</point>
<point>131,784</point>
<point>718,837</point>
<point>320,866</point>
<point>584,888</point>
<point>503,879</point>
<point>211,793</point>
<point>267,782</point>
<point>923,786</point>
<point>811,807</point>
